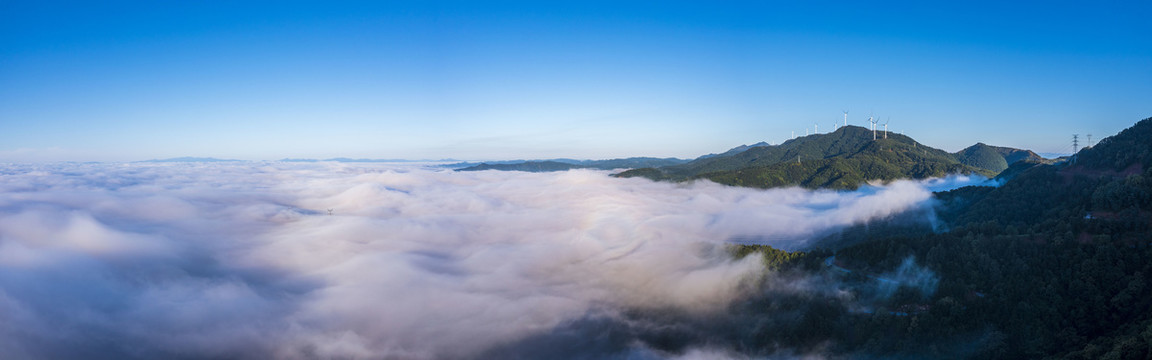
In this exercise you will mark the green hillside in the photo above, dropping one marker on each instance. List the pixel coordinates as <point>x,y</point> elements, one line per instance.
<point>1014,155</point>
<point>844,159</point>
<point>1053,264</point>
<point>982,156</point>
<point>994,158</point>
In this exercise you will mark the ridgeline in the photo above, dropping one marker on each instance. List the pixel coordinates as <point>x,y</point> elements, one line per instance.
<point>843,159</point>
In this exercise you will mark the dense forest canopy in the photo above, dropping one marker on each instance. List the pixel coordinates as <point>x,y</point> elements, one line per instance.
<point>1052,264</point>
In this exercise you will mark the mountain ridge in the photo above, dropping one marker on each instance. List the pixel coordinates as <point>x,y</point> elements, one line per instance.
<point>843,159</point>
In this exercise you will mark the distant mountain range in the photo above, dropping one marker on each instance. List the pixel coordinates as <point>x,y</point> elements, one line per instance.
<point>350,160</point>
<point>843,159</point>
<point>735,150</point>
<point>190,159</point>
<point>569,164</point>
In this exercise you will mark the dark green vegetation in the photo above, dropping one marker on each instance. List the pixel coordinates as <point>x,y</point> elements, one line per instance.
<point>568,164</point>
<point>1055,263</point>
<point>994,158</point>
<point>844,159</point>
<point>780,260</point>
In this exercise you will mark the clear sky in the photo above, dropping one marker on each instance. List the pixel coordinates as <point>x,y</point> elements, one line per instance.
<point>542,79</point>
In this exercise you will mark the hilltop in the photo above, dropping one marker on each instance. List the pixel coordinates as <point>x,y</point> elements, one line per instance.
<point>994,158</point>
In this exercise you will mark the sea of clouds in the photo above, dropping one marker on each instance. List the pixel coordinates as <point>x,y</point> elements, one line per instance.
<point>243,260</point>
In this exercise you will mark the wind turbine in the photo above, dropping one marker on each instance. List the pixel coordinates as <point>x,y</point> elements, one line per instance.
<point>872,121</point>
<point>816,127</point>
<point>845,117</point>
<point>886,127</point>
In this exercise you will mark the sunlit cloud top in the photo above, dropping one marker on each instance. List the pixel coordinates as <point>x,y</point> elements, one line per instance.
<point>330,260</point>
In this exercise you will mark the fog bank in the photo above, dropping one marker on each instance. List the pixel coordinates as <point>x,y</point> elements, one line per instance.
<point>243,259</point>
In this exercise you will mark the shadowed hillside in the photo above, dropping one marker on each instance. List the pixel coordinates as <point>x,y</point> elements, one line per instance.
<point>1052,264</point>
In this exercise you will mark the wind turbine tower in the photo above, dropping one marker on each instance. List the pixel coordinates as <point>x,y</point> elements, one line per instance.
<point>845,117</point>
<point>886,127</point>
<point>816,127</point>
<point>872,122</point>
<point>1089,140</point>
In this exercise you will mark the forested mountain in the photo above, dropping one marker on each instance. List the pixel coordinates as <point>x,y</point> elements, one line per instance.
<point>1052,264</point>
<point>994,158</point>
<point>843,159</point>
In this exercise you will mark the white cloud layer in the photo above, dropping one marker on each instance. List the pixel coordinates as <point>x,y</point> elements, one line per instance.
<point>242,260</point>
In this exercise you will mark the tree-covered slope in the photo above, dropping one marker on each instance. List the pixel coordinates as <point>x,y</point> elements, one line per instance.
<point>1105,178</point>
<point>1052,264</point>
<point>982,156</point>
<point>1012,155</point>
<point>994,158</point>
<point>843,159</point>
<point>1131,147</point>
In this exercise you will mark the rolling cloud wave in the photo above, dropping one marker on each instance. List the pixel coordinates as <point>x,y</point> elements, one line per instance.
<point>243,260</point>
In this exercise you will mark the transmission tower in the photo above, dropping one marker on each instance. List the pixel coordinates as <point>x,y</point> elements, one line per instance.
<point>1075,143</point>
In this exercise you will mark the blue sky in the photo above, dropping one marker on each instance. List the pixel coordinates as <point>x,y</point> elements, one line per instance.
<point>490,80</point>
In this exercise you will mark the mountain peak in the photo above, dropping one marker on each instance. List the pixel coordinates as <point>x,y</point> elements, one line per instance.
<point>994,158</point>
<point>842,159</point>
